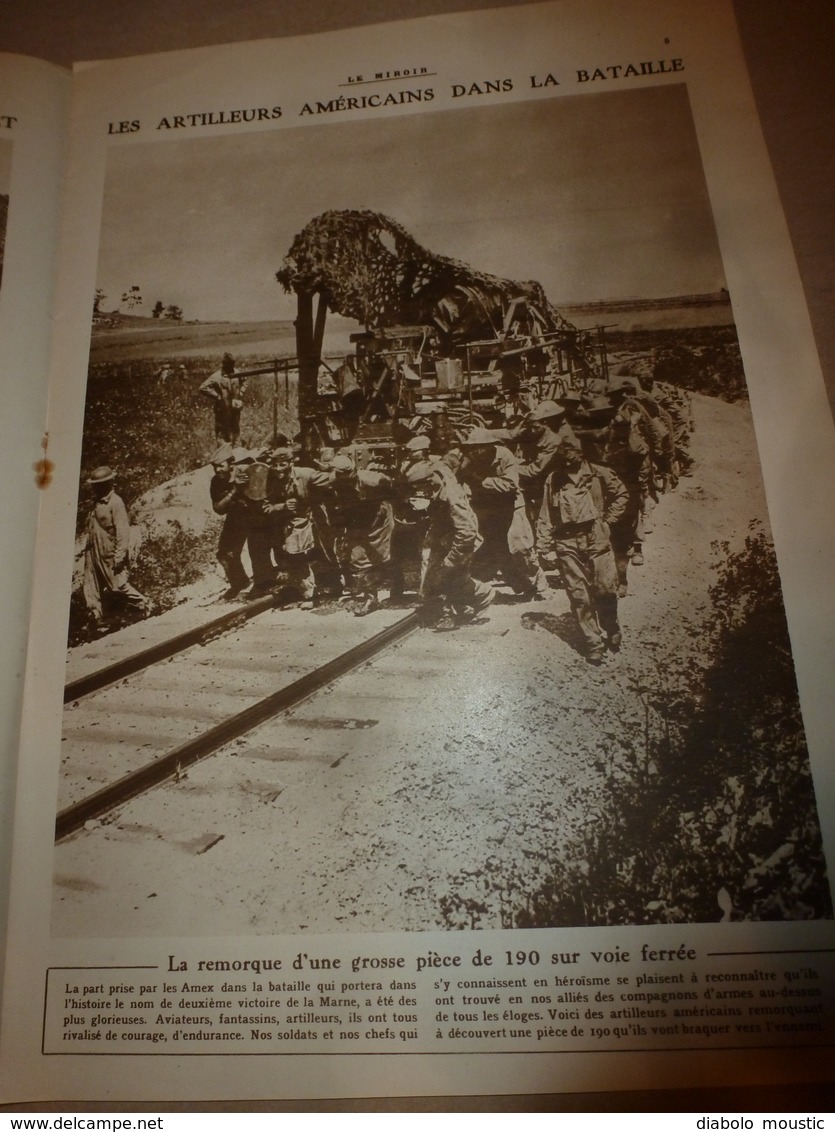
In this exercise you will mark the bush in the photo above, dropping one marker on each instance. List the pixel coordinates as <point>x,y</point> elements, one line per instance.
<point>168,561</point>
<point>165,562</point>
<point>150,432</point>
<point>700,359</point>
<point>718,821</point>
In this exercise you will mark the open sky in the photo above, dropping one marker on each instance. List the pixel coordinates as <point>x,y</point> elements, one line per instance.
<point>598,196</point>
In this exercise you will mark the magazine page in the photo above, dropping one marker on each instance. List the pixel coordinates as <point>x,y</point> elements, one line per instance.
<point>429,688</point>
<point>34,104</point>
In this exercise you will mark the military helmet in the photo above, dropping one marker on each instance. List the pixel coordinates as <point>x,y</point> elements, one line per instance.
<point>417,444</point>
<point>570,398</point>
<point>625,385</point>
<point>223,453</point>
<point>568,450</point>
<point>479,436</point>
<point>597,406</point>
<point>419,472</point>
<point>545,410</point>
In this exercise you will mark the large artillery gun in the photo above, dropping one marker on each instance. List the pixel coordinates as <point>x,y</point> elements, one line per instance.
<point>445,348</point>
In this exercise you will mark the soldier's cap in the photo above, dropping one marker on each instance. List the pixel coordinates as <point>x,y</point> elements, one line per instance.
<point>567,449</point>
<point>597,406</point>
<point>625,385</point>
<point>570,397</point>
<point>420,472</point>
<point>324,459</point>
<point>479,436</point>
<point>417,444</point>
<point>342,463</point>
<point>545,410</point>
<point>223,453</point>
<point>101,475</point>
<point>242,456</point>
<point>227,364</point>
<point>282,453</point>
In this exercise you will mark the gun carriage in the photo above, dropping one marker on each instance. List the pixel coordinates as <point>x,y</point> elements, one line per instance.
<point>445,348</point>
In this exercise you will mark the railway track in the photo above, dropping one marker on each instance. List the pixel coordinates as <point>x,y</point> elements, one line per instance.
<point>147,716</point>
<point>233,838</point>
<point>200,634</point>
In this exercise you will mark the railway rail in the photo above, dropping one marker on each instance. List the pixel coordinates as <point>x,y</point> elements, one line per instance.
<point>172,762</point>
<point>163,650</point>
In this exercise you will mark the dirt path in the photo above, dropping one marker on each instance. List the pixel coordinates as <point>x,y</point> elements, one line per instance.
<point>452,809</point>
<point>499,768</point>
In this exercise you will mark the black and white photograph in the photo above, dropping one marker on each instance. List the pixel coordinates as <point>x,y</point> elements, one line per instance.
<point>423,571</point>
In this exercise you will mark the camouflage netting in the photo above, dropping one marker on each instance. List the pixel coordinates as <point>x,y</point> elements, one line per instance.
<point>370,269</point>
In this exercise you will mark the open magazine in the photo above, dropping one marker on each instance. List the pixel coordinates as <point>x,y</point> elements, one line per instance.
<point>427,650</point>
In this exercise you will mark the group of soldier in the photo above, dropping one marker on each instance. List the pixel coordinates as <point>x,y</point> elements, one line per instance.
<point>569,488</point>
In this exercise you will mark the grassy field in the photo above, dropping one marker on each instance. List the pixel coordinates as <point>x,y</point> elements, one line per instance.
<point>680,313</point>
<point>137,338</point>
<point>698,359</point>
<point>152,431</point>
<point>151,339</point>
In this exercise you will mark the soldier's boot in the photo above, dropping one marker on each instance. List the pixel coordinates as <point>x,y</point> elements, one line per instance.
<point>368,603</point>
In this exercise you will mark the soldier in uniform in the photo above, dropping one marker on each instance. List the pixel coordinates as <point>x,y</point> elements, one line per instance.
<point>677,404</point>
<point>228,501</point>
<point>360,511</point>
<point>591,424</point>
<point>580,503</point>
<point>661,434</point>
<point>409,525</point>
<point>451,541</point>
<point>108,553</point>
<point>540,435</point>
<point>490,473</point>
<point>630,407</point>
<point>625,451</point>
<point>414,451</point>
<point>225,391</point>
<point>571,401</point>
<point>290,496</point>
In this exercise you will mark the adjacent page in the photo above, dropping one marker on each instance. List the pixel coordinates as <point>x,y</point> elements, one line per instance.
<point>569,832</point>
<point>34,116</point>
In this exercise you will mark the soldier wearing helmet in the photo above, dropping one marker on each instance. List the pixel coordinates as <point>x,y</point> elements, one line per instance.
<point>545,428</point>
<point>284,534</point>
<point>581,501</point>
<point>452,539</point>
<point>414,451</point>
<point>490,472</point>
<point>409,524</point>
<point>360,511</point>
<point>228,501</point>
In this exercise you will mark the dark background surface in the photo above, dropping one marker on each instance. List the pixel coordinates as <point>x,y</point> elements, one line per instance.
<point>789,48</point>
